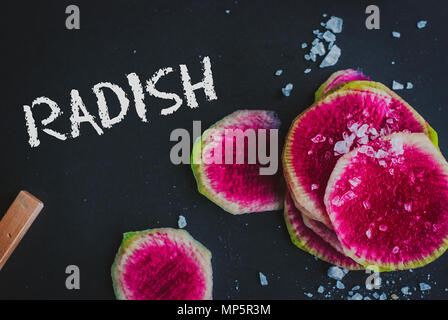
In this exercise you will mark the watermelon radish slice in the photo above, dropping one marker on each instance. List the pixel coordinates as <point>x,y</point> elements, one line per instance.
<point>338,78</point>
<point>396,214</point>
<point>162,264</point>
<point>305,239</point>
<point>322,231</point>
<point>344,119</point>
<point>237,188</point>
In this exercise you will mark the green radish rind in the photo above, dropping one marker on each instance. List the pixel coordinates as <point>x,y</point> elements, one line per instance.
<point>308,241</point>
<point>134,239</point>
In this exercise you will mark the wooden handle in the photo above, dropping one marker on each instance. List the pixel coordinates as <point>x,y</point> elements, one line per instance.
<point>16,222</point>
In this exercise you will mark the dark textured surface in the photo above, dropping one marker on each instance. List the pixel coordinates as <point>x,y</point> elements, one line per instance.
<point>97,187</point>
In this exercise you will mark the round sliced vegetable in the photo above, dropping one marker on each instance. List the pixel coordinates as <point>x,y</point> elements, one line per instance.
<point>388,202</point>
<point>162,264</point>
<point>241,182</point>
<point>353,115</point>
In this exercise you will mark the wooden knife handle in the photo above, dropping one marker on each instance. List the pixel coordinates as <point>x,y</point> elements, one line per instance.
<point>16,222</point>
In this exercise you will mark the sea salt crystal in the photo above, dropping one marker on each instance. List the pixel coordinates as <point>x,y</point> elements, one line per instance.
<point>336,273</point>
<point>366,204</point>
<point>362,130</point>
<point>421,24</point>
<point>363,140</point>
<point>324,15</point>
<point>356,288</point>
<point>397,85</point>
<point>383,296</point>
<point>287,89</point>
<point>396,34</point>
<point>340,285</point>
<point>382,163</point>
<point>307,57</point>
<point>314,187</point>
<point>381,154</point>
<point>408,206</point>
<point>395,250</point>
<point>304,45</point>
<point>329,36</point>
<point>354,181</point>
<point>357,296</point>
<point>313,56</point>
<point>354,127</point>
<point>373,131</point>
<point>331,58</point>
<point>278,72</point>
<point>409,86</point>
<point>405,291</point>
<point>318,48</point>
<point>307,71</point>
<point>376,295</point>
<point>321,289</point>
<point>308,294</point>
<point>316,31</point>
<point>369,233</point>
<point>341,147</point>
<point>383,228</point>
<point>263,279</point>
<point>424,286</point>
<point>334,24</point>
<point>182,222</point>
<point>318,139</point>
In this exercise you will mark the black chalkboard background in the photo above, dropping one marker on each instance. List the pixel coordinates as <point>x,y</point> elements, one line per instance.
<point>97,187</point>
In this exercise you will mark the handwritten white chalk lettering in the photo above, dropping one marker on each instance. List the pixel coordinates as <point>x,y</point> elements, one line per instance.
<point>80,113</point>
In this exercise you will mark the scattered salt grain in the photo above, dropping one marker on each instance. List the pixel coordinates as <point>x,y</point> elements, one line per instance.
<point>395,250</point>
<point>356,288</point>
<point>318,48</point>
<point>424,286</point>
<point>405,291</point>
<point>263,279</point>
<point>308,294</point>
<point>421,24</point>
<point>367,298</point>
<point>381,154</point>
<point>334,24</point>
<point>304,45</point>
<point>324,15</point>
<point>354,182</point>
<point>314,187</point>
<point>409,85</point>
<point>340,285</point>
<point>376,295</point>
<point>408,206</point>
<point>396,34</point>
<point>307,71</point>
<point>362,130</point>
<point>182,222</point>
<point>329,36</point>
<point>397,85</point>
<point>336,273</point>
<point>331,58</point>
<point>278,72</point>
<point>357,296</point>
<point>383,228</point>
<point>307,57</point>
<point>383,296</point>
<point>227,11</point>
<point>321,289</point>
<point>366,204</point>
<point>341,147</point>
<point>318,139</point>
<point>394,296</point>
<point>287,89</point>
<point>369,233</point>
<point>393,62</point>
